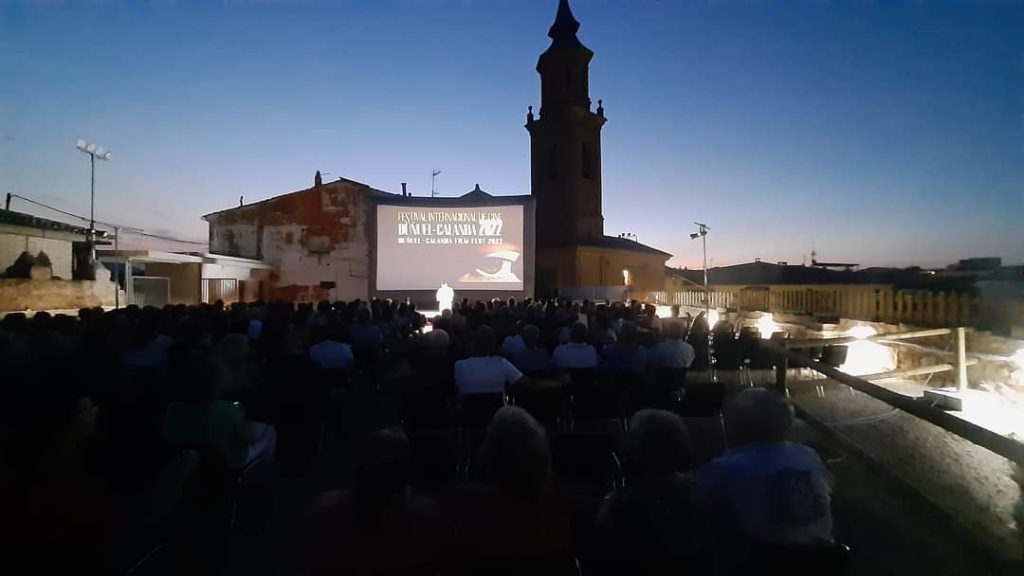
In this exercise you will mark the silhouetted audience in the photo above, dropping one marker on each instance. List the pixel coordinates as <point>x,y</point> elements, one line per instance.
<point>651,524</point>
<point>378,526</point>
<point>484,371</point>
<point>140,425</point>
<point>576,353</point>
<point>533,360</point>
<point>520,516</point>
<point>673,351</point>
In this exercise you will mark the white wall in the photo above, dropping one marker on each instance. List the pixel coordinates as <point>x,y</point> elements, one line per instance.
<point>223,271</point>
<point>59,251</point>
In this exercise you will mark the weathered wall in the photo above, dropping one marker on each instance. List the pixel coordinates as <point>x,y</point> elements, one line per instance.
<point>58,249</point>
<point>26,294</point>
<point>593,267</point>
<point>316,235</point>
<point>183,280</point>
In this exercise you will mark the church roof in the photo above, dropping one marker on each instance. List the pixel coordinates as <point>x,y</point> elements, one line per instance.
<point>476,193</point>
<point>616,243</point>
<point>563,31</point>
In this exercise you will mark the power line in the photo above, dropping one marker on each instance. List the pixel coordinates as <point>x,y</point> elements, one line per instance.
<point>129,229</point>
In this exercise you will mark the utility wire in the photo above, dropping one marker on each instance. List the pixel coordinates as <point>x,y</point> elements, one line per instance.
<point>129,229</point>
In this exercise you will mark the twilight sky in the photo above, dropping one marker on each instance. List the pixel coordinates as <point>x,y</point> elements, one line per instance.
<point>880,134</point>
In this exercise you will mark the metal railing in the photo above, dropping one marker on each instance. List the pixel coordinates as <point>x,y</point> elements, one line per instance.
<point>788,356</point>
<point>874,303</point>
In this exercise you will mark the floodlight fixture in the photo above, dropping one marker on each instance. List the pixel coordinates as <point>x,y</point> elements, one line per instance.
<point>94,152</point>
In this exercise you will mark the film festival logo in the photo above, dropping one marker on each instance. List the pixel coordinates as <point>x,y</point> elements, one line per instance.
<point>490,226</point>
<point>466,228</point>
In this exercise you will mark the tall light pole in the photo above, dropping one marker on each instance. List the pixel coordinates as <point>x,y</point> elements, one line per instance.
<point>94,152</point>
<point>702,233</point>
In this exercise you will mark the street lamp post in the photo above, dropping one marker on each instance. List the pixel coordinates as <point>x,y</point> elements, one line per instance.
<point>95,152</point>
<point>702,233</point>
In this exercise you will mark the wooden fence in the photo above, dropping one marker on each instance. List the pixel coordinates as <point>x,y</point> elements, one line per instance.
<point>870,302</point>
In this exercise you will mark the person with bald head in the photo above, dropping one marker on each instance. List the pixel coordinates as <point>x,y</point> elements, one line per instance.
<point>765,489</point>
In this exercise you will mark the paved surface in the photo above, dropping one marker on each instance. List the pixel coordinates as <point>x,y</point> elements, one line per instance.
<point>914,496</point>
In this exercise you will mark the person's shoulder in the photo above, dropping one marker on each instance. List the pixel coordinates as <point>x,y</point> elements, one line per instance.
<point>328,505</point>
<point>800,452</point>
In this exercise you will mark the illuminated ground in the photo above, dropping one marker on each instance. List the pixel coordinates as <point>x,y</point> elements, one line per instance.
<point>972,485</point>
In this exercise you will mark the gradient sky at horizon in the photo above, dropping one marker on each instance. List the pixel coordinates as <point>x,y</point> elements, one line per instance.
<point>889,134</point>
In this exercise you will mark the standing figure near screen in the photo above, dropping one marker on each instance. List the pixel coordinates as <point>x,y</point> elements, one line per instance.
<point>445,297</point>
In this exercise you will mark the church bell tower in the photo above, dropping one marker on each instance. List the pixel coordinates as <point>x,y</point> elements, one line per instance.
<point>565,141</point>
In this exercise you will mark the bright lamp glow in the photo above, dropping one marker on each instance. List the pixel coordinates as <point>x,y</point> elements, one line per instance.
<point>712,317</point>
<point>866,357</point>
<point>1018,357</point>
<point>862,332</point>
<point>766,325</point>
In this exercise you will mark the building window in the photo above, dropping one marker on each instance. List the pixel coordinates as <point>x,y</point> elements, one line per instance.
<point>553,163</point>
<point>627,278</point>
<point>585,160</point>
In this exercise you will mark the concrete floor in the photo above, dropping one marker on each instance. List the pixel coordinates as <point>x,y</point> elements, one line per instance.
<point>946,503</point>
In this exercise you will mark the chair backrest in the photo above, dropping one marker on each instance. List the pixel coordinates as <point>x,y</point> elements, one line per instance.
<point>727,353</point>
<point>673,378</point>
<point>831,558</point>
<point>586,461</point>
<point>594,403</point>
<point>834,356</point>
<point>512,565</point>
<point>476,410</point>
<point>434,459</point>
<point>702,399</point>
<point>426,408</point>
<point>580,377</point>
<point>333,378</point>
<point>547,405</point>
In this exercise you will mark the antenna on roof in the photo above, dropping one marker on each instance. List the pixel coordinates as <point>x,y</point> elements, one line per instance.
<point>433,183</point>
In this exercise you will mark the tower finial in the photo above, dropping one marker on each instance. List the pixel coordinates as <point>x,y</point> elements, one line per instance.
<point>529,114</point>
<point>563,31</point>
<point>600,107</point>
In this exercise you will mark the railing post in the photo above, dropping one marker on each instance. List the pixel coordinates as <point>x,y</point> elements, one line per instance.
<point>961,360</point>
<point>781,368</point>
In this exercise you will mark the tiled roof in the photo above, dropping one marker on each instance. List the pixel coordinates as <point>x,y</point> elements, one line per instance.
<point>616,243</point>
<point>13,218</point>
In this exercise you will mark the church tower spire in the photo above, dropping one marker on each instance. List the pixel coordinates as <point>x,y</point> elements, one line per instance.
<point>563,31</point>
<point>565,141</point>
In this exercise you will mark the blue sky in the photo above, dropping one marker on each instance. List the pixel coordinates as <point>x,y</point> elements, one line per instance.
<point>881,133</point>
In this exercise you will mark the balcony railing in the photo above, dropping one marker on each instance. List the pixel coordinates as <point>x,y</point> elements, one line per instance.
<point>870,303</point>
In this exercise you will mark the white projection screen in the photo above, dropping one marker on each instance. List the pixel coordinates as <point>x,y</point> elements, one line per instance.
<point>470,248</point>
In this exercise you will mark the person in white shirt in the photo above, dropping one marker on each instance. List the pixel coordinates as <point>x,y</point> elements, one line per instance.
<point>483,372</point>
<point>330,352</point>
<point>576,353</point>
<point>673,351</point>
<point>445,296</point>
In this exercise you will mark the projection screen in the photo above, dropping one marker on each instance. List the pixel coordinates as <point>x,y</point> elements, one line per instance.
<point>471,248</point>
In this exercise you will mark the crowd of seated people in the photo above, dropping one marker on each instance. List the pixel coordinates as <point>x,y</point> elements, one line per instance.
<point>123,426</point>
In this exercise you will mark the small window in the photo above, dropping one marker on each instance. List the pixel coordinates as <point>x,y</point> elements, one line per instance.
<point>553,163</point>
<point>627,278</point>
<point>585,160</point>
